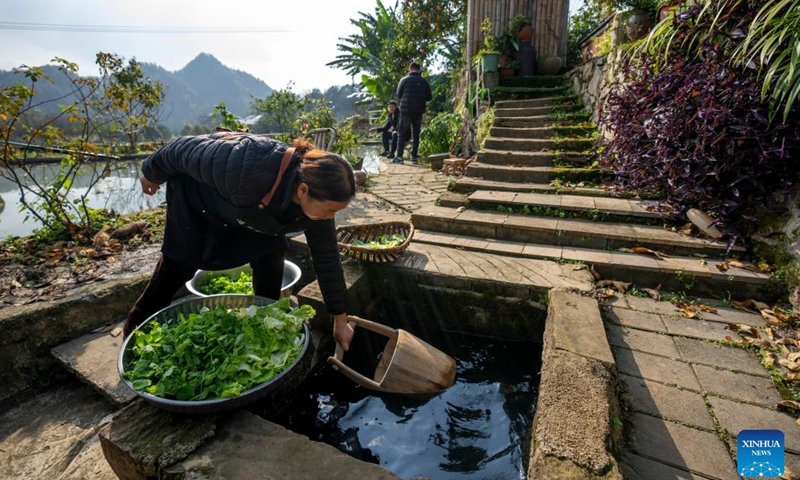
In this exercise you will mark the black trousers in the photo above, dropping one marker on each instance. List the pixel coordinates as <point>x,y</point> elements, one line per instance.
<point>169,276</point>
<point>409,123</point>
<point>389,138</point>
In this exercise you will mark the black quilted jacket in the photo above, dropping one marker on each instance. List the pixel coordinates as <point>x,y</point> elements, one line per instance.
<point>413,92</point>
<point>215,184</point>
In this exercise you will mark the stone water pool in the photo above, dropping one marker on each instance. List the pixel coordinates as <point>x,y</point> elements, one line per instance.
<point>479,428</point>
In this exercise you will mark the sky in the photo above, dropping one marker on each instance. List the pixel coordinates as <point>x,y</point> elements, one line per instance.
<point>275,41</point>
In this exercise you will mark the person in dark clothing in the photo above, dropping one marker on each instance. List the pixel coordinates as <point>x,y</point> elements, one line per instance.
<point>231,199</point>
<point>389,131</point>
<point>414,93</point>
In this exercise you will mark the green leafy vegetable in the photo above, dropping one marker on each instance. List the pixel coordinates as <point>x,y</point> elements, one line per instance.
<point>243,283</point>
<point>386,241</point>
<point>217,353</point>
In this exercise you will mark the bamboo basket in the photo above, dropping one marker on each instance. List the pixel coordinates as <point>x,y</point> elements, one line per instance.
<point>346,236</point>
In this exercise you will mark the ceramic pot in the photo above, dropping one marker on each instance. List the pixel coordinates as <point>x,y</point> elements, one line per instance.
<point>639,25</point>
<point>550,65</point>
<point>489,62</point>
<point>525,33</point>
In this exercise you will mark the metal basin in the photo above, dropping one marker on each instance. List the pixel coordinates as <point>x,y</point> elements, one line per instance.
<point>291,275</point>
<point>216,405</point>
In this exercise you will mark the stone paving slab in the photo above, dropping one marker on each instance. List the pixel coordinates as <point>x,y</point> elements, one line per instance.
<point>642,340</point>
<point>650,305</point>
<point>739,386</point>
<point>93,359</point>
<point>632,318</point>
<point>484,266</point>
<point>735,417</point>
<point>732,315</point>
<point>693,327</point>
<point>654,367</point>
<point>635,467</point>
<point>665,401</point>
<point>682,447</point>
<point>709,353</point>
<point>587,255</point>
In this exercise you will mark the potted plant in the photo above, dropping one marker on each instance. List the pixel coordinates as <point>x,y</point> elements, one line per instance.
<point>521,26</point>
<point>638,16</point>
<point>488,55</point>
<point>508,68</point>
<point>508,43</point>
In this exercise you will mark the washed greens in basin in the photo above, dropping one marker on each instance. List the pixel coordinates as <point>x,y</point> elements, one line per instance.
<point>219,284</point>
<point>386,241</point>
<point>217,353</point>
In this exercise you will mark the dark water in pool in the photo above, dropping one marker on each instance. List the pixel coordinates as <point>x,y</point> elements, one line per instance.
<point>478,429</point>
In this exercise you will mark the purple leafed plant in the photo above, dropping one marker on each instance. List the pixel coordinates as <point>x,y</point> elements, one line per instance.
<point>696,132</point>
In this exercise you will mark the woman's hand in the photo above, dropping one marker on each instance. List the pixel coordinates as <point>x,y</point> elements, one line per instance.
<point>148,187</point>
<point>342,331</point>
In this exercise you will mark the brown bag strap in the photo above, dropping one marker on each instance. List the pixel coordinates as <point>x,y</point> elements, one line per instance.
<point>287,158</point>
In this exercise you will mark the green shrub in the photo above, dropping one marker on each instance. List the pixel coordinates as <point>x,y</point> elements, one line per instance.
<point>439,134</point>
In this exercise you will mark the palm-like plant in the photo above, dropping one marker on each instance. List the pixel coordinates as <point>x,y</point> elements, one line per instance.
<point>773,44</point>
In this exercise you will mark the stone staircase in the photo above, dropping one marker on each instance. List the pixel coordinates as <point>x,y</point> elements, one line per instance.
<point>529,194</point>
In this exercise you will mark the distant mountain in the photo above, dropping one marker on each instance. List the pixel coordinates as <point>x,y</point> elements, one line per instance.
<point>191,93</point>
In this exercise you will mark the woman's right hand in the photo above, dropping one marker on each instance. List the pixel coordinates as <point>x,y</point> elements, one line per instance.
<point>148,187</point>
<point>342,331</point>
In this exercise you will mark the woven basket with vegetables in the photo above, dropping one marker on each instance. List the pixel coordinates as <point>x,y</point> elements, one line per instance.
<point>376,242</point>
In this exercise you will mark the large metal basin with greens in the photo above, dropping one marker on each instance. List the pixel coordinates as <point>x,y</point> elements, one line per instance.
<point>239,345</point>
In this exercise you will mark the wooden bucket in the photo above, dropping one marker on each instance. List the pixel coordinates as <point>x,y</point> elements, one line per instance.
<point>409,366</point>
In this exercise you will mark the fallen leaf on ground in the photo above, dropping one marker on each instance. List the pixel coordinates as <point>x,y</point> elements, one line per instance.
<point>742,328</point>
<point>615,284</point>
<point>688,311</point>
<point>723,267</point>
<point>606,293</point>
<point>706,308</point>
<point>595,273</point>
<point>771,359</point>
<point>792,366</point>
<point>771,334</point>
<point>579,267</point>
<point>747,305</point>
<point>654,293</point>
<point>791,376</point>
<point>775,318</point>
<point>645,250</point>
<point>788,405</point>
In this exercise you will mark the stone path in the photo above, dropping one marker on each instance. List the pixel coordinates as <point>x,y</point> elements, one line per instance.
<point>685,395</point>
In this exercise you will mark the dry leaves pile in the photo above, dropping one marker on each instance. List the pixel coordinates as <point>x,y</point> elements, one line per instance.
<point>52,272</point>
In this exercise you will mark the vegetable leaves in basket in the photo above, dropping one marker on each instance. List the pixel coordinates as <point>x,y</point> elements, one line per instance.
<point>217,353</point>
<point>386,241</point>
<point>228,284</point>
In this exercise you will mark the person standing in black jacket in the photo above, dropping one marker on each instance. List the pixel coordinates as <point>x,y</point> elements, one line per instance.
<point>389,131</point>
<point>231,199</point>
<point>414,93</point>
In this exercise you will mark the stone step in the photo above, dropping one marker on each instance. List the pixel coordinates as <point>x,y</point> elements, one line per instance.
<point>522,132</point>
<point>644,271</point>
<point>93,359</point>
<point>515,93</point>
<point>533,81</point>
<point>573,132</point>
<point>536,102</point>
<point>565,232</point>
<point>502,173</point>
<point>615,207</point>
<point>528,159</point>
<point>469,185</point>
<point>537,144</point>
<point>534,121</point>
<point>533,111</point>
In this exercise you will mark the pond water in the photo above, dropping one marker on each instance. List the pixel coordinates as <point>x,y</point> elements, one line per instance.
<point>120,192</point>
<point>479,428</point>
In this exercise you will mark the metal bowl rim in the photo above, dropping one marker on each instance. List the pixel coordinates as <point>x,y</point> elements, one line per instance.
<point>287,265</point>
